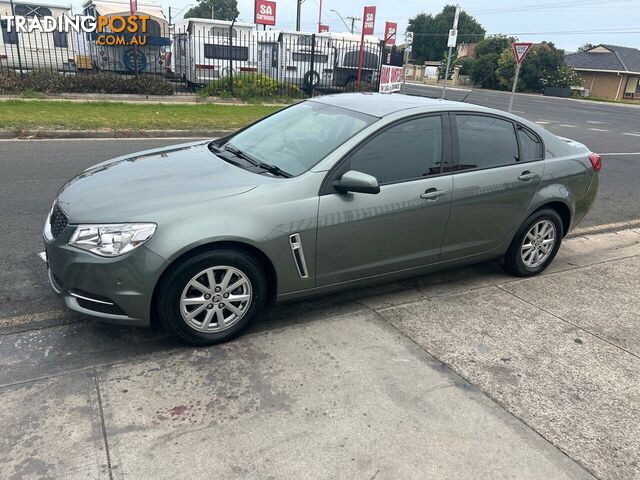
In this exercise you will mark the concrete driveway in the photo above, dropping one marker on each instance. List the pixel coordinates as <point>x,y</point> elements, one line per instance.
<point>464,374</point>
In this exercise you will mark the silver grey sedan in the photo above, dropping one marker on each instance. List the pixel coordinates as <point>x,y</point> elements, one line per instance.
<point>328,194</point>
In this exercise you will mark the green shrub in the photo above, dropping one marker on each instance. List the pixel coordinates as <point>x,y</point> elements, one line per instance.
<point>250,87</point>
<point>51,82</point>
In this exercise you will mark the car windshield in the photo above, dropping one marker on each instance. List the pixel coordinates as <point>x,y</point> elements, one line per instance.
<point>298,137</point>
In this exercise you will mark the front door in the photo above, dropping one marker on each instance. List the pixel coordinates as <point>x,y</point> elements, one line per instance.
<point>497,173</point>
<point>362,235</point>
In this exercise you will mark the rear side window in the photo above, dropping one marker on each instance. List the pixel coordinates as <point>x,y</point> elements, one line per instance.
<point>409,150</point>
<point>530,144</point>
<point>485,142</point>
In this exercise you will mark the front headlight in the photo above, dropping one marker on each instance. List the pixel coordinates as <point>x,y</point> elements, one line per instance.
<point>112,240</point>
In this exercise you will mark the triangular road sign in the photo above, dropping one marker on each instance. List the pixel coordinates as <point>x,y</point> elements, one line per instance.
<point>520,50</point>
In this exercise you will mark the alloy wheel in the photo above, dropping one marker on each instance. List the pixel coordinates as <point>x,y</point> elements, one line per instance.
<point>538,243</point>
<point>216,299</point>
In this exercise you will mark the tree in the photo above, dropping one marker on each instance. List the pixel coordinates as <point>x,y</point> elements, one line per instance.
<point>542,62</point>
<point>455,62</point>
<point>483,71</point>
<point>430,32</point>
<point>585,47</point>
<point>466,64</point>
<point>222,9</point>
<point>496,44</point>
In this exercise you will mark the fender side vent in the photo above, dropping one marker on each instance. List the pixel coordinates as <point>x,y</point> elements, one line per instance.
<point>298,255</point>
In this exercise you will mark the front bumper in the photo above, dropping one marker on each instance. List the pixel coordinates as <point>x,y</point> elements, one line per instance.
<point>117,290</point>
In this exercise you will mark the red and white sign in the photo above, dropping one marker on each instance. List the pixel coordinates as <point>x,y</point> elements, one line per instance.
<point>323,28</point>
<point>368,20</point>
<point>390,79</point>
<point>265,12</point>
<point>520,50</point>
<point>390,33</point>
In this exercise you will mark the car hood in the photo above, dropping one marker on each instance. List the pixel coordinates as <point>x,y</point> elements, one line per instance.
<point>138,185</point>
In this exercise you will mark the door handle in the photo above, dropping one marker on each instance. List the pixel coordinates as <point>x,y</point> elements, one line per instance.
<point>432,194</point>
<point>526,176</point>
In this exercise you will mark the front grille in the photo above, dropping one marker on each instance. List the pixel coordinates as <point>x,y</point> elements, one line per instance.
<point>58,221</point>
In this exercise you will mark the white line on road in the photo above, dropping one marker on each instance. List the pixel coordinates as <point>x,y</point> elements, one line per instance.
<point>542,123</point>
<point>542,120</point>
<point>632,134</point>
<point>597,123</point>
<point>599,130</point>
<point>567,126</point>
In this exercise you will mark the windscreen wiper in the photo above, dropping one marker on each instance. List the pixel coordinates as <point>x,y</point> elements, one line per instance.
<point>273,169</point>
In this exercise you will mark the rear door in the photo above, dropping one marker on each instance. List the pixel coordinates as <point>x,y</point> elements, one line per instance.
<point>497,170</point>
<point>362,235</point>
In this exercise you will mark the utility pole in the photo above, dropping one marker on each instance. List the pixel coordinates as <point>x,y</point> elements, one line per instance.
<point>353,22</point>
<point>213,14</point>
<point>453,38</point>
<point>298,12</point>
<point>319,16</point>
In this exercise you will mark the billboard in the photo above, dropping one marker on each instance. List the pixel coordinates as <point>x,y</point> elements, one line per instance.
<point>390,79</point>
<point>265,12</point>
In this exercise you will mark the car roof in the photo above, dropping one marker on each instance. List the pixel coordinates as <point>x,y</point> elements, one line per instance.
<point>383,104</point>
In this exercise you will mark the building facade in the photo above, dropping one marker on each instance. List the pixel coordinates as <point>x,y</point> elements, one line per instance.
<point>608,71</point>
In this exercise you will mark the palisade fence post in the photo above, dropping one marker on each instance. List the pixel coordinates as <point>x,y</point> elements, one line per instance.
<point>231,56</point>
<point>312,70</point>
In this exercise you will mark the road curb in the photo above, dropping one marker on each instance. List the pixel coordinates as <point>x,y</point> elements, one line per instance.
<point>70,134</point>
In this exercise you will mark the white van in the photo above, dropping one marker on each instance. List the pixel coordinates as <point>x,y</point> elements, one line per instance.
<point>148,58</point>
<point>206,50</point>
<point>34,50</point>
<point>291,57</point>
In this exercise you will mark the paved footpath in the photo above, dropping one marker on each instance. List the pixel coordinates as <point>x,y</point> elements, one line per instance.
<point>464,374</point>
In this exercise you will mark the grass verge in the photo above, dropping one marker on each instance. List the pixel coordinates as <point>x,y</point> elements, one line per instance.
<point>18,115</point>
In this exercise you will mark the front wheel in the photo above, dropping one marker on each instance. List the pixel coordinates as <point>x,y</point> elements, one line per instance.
<point>212,297</point>
<point>535,245</point>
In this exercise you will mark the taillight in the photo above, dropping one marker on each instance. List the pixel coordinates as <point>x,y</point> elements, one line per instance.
<point>596,161</point>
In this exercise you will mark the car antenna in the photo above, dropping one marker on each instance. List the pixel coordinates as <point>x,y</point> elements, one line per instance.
<point>467,95</point>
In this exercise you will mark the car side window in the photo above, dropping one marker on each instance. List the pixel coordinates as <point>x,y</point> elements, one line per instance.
<point>530,145</point>
<point>408,150</point>
<point>485,142</point>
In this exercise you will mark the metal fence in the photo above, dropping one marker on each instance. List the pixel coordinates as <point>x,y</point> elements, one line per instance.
<point>202,54</point>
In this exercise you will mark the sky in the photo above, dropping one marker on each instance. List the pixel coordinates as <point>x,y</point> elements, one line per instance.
<point>566,23</point>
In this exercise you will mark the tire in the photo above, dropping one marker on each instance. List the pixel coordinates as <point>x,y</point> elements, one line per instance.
<point>177,298</point>
<point>311,79</point>
<point>519,260</point>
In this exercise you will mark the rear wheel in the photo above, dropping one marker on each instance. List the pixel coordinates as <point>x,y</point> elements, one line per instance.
<point>535,245</point>
<point>212,297</point>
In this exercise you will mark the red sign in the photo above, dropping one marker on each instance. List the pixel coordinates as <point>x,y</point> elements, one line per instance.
<point>368,20</point>
<point>520,50</point>
<point>265,12</point>
<point>323,28</point>
<point>390,33</point>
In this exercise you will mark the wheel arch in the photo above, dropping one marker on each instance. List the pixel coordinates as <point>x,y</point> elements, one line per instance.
<point>562,209</point>
<point>264,261</point>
